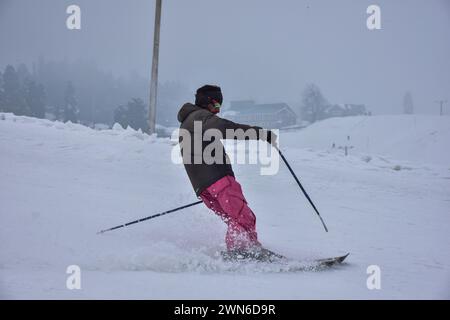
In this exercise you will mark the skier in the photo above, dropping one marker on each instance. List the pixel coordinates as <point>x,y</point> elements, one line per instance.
<point>215,182</point>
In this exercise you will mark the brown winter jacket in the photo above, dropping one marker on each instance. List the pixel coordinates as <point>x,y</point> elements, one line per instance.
<point>202,175</point>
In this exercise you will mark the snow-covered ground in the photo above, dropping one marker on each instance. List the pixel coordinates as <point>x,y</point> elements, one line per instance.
<point>387,203</point>
<point>418,138</point>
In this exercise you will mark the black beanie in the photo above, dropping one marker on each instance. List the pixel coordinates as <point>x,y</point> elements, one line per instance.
<point>206,94</point>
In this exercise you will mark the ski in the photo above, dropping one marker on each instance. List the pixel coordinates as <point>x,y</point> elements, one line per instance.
<point>267,256</point>
<point>328,262</point>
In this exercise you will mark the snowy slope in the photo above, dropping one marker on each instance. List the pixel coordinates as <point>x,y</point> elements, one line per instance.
<point>418,138</point>
<point>61,183</point>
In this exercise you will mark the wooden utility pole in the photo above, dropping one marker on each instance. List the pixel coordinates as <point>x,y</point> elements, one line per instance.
<point>441,104</point>
<point>154,78</point>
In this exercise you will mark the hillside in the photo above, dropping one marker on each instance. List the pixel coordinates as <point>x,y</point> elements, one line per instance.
<point>416,138</point>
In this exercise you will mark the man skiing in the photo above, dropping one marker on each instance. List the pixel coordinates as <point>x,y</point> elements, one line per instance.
<point>215,182</point>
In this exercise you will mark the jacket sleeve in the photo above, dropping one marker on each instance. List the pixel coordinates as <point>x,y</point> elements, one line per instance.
<point>214,122</point>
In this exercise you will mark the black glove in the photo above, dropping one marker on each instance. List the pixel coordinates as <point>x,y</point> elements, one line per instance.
<point>271,138</point>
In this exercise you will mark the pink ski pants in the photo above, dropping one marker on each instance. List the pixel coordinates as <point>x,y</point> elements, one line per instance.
<point>225,198</point>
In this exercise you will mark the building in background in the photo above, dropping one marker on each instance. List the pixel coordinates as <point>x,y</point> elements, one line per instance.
<point>271,115</point>
<point>344,110</point>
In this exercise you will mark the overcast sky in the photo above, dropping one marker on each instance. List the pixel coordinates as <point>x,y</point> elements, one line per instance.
<point>266,50</point>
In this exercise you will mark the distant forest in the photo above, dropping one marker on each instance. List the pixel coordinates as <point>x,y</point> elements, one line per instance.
<point>83,93</point>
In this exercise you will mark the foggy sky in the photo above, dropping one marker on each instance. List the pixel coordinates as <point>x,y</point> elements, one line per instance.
<point>254,49</point>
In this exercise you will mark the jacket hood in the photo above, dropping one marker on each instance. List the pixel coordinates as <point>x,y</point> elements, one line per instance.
<point>185,110</point>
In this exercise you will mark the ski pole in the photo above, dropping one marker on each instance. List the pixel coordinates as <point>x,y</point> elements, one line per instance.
<point>150,217</point>
<point>301,187</point>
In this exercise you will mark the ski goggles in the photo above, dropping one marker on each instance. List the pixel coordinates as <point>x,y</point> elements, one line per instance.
<point>216,104</point>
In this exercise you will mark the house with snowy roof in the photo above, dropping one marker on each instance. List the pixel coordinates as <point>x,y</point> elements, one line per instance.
<point>269,115</point>
<point>344,110</point>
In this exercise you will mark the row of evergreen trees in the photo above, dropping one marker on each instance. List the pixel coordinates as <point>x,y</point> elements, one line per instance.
<point>22,94</point>
<point>92,96</point>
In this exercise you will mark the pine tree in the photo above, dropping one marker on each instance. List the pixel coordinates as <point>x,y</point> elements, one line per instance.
<point>134,114</point>
<point>408,106</point>
<point>13,93</point>
<point>35,98</point>
<point>1,93</point>
<point>23,74</point>
<point>313,103</point>
<point>70,104</point>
